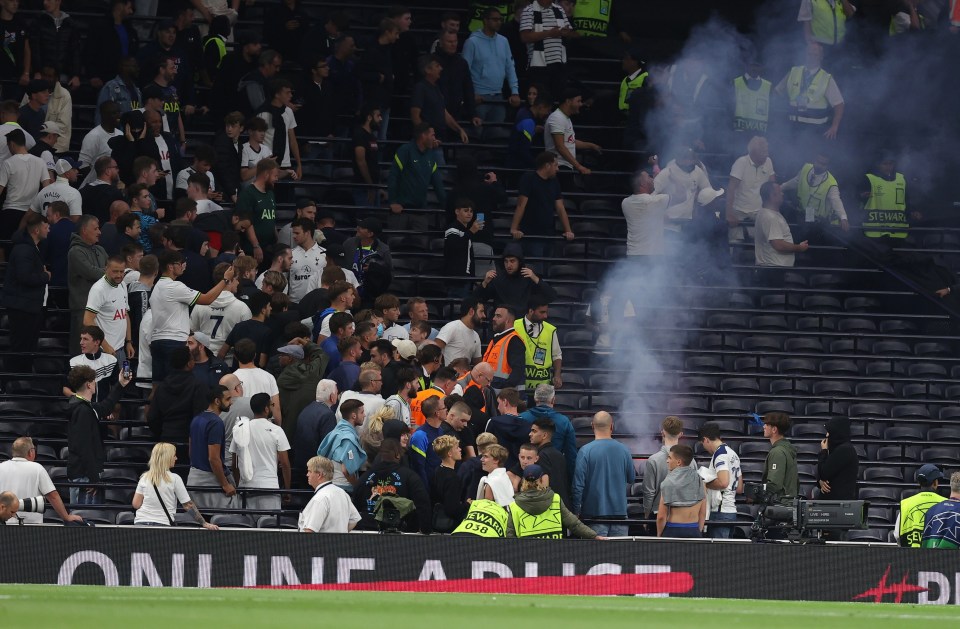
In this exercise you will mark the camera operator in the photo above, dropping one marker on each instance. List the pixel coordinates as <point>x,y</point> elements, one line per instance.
<point>24,477</point>
<point>780,469</point>
<point>9,503</point>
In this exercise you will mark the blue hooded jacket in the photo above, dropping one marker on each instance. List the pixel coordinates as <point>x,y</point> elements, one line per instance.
<point>564,438</point>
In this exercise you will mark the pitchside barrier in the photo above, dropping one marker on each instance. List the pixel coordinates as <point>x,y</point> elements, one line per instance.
<point>256,558</point>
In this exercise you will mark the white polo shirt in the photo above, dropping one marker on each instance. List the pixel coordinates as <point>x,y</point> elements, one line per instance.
<point>329,511</point>
<point>751,176</point>
<point>26,479</point>
<point>170,302</point>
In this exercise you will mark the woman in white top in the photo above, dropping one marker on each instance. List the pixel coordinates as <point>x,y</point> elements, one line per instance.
<point>496,484</point>
<point>158,483</point>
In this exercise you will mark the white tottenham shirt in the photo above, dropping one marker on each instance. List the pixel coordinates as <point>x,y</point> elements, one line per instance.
<point>305,271</point>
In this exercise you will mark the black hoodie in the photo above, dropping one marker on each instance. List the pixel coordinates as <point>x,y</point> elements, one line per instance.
<point>839,463</point>
<point>390,478</point>
<point>514,290</point>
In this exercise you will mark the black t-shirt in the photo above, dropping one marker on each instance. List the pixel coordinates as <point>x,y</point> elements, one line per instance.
<point>14,38</point>
<point>313,302</point>
<point>542,195</point>
<point>465,436</point>
<point>31,120</point>
<point>367,141</point>
<point>429,99</point>
<point>257,331</point>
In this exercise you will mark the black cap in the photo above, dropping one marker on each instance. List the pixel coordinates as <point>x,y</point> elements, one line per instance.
<point>334,250</point>
<point>371,224</point>
<point>166,25</point>
<point>394,429</point>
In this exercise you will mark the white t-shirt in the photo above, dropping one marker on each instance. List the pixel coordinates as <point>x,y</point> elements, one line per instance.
<point>682,187</point>
<point>218,319</point>
<point>461,342</point>
<point>396,331</point>
<point>59,190</point>
<point>26,479</point>
<point>21,175</point>
<point>256,380</point>
<point>250,157</point>
<point>291,123</point>
<point>206,206</point>
<point>109,303</point>
<point>644,214</point>
<point>170,302</point>
<point>6,128</point>
<point>306,265</point>
<point>172,492</point>
<point>188,172</point>
<point>558,122</point>
<point>165,164</point>
<point>747,198</point>
<point>329,511</point>
<point>726,460</point>
<point>372,403</point>
<point>145,358</point>
<point>266,439</point>
<point>95,145</point>
<point>771,226</point>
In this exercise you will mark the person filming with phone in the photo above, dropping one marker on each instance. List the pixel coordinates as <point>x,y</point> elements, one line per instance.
<point>458,245</point>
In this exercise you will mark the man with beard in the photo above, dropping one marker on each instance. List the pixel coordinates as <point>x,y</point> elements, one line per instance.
<point>258,199</point>
<point>459,338</point>
<point>366,157</point>
<point>207,463</point>
<point>543,355</point>
<point>408,387</point>
<point>97,197</point>
<point>506,353</point>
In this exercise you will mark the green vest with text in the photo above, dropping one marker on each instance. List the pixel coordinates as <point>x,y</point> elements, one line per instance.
<point>886,209</point>
<point>829,24</point>
<point>484,519</point>
<point>546,525</point>
<point>815,198</point>
<point>539,356</point>
<point>808,101</point>
<point>627,87</point>
<point>477,9</point>
<point>592,17</point>
<point>912,512</point>
<point>753,106</point>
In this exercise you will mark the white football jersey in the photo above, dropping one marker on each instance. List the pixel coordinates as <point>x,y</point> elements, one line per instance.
<point>306,266</point>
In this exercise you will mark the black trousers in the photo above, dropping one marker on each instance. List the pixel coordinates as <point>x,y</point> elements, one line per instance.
<point>24,334</point>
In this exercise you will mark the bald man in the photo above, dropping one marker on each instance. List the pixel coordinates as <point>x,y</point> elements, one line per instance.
<point>481,397</point>
<point>239,407</point>
<point>603,474</point>
<point>25,477</point>
<point>8,505</point>
<point>110,238</point>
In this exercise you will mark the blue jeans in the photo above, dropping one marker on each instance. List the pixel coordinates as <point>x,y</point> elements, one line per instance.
<point>492,112</point>
<point>384,124</point>
<point>721,532</point>
<point>361,199</point>
<point>611,530</point>
<point>79,495</point>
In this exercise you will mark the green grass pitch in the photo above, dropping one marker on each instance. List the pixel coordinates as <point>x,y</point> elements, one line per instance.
<point>82,607</point>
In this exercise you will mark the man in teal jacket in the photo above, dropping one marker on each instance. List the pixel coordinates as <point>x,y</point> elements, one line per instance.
<point>413,171</point>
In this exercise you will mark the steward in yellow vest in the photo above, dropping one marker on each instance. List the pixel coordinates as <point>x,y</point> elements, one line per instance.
<point>818,194</point>
<point>812,93</point>
<point>539,367</point>
<point>484,519</point>
<point>538,512</point>
<point>752,101</point>
<point>591,18</point>
<point>828,21</point>
<point>909,529</point>
<point>885,201</point>
<point>477,9</point>
<point>632,66</point>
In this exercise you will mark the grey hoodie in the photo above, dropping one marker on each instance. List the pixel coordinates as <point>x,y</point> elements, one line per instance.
<point>85,265</point>
<point>536,502</point>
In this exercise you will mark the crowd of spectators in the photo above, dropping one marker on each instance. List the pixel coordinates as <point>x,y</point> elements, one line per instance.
<point>274,356</point>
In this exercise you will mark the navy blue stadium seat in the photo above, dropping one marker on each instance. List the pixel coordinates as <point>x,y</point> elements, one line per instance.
<point>875,390</point>
<point>803,344</point>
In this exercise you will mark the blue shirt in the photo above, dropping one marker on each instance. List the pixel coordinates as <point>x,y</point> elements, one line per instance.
<point>345,375</point>
<point>942,522</point>
<point>329,347</point>
<point>604,470</point>
<point>490,62</point>
<point>206,429</point>
<point>423,460</point>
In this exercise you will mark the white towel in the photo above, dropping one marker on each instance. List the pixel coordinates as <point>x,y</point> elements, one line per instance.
<point>714,496</point>
<point>241,438</point>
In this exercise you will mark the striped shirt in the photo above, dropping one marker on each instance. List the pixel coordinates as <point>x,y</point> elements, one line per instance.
<point>551,50</point>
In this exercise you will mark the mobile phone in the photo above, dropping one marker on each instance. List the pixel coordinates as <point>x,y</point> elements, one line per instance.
<point>480,217</point>
<point>126,369</point>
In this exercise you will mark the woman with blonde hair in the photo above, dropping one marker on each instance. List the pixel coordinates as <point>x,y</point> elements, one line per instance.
<point>159,491</point>
<point>372,435</point>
